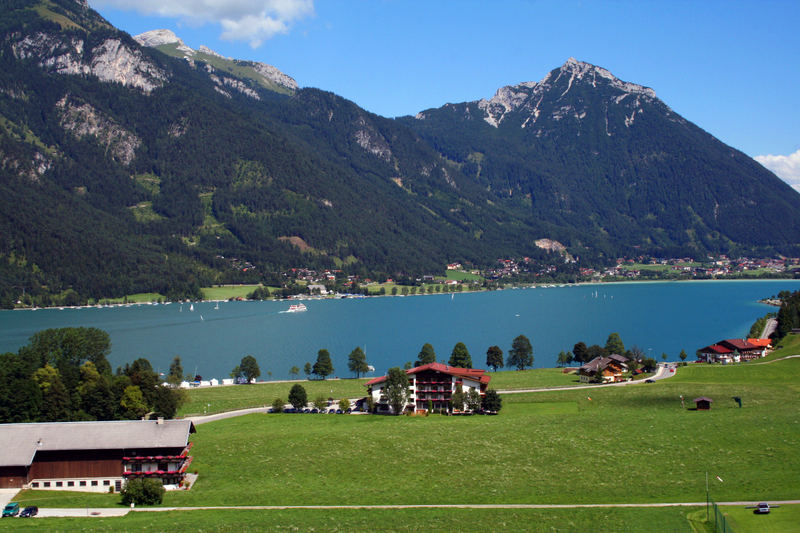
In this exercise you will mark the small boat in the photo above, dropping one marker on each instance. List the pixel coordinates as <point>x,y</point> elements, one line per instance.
<point>216,306</point>
<point>297,308</point>
<point>191,307</point>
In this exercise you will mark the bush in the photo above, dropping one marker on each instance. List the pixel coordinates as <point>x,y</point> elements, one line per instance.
<point>277,405</point>
<point>142,492</point>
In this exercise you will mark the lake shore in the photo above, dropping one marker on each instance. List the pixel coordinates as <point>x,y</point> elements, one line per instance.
<point>337,296</point>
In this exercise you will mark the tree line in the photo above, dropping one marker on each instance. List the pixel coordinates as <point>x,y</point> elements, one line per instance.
<point>63,375</point>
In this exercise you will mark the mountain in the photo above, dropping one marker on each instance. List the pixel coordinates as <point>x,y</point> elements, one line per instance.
<point>135,164</point>
<point>587,151</point>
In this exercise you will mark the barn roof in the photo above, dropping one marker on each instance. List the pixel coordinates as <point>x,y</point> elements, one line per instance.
<point>20,442</point>
<point>476,374</point>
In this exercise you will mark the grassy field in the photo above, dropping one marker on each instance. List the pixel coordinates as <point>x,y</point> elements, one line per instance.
<point>244,396</point>
<point>261,394</point>
<point>784,518</point>
<point>532,379</point>
<point>632,444</point>
<point>371,520</point>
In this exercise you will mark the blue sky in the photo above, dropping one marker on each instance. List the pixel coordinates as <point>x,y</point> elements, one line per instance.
<point>730,67</point>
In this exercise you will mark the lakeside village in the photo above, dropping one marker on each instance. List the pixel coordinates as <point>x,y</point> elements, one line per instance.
<point>459,277</point>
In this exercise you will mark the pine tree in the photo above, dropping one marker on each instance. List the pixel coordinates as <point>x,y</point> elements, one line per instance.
<point>323,367</point>
<point>460,356</point>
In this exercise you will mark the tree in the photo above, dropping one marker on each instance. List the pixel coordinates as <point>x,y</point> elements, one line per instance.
<point>297,396</point>
<point>473,400</point>
<point>249,368</point>
<point>320,402</point>
<point>457,399</point>
<point>460,356</point>
<point>649,364</point>
<point>357,362</point>
<point>323,367</point>
<point>683,355</point>
<point>55,399</point>
<point>494,358</point>
<point>426,355</point>
<point>142,491</point>
<point>521,353</point>
<point>579,352</point>
<point>133,402</point>
<point>396,389</point>
<point>562,359</point>
<point>664,356</point>
<point>307,370</point>
<point>492,401</point>
<point>614,345</point>
<point>344,404</point>
<point>293,372</point>
<point>277,405</point>
<point>175,375</point>
<point>167,401</point>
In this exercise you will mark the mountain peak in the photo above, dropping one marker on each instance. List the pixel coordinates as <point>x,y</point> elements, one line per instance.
<point>580,69</point>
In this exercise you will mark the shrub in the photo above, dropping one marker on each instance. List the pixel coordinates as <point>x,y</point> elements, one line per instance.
<point>277,405</point>
<point>142,492</point>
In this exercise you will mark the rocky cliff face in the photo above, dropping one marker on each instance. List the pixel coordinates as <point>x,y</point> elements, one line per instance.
<point>82,120</point>
<point>110,61</point>
<point>168,42</point>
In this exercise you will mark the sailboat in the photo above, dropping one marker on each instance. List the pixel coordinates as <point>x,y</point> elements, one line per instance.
<point>191,307</point>
<point>216,306</point>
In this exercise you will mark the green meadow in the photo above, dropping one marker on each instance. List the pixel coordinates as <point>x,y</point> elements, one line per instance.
<point>371,520</point>
<point>219,399</point>
<point>633,444</point>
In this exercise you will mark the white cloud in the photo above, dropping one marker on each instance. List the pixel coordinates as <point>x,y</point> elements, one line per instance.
<point>253,21</point>
<point>786,167</point>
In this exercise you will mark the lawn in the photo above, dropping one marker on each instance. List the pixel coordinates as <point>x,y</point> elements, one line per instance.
<point>371,520</point>
<point>633,444</point>
<point>784,518</point>
<point>532,379</point>
<point>233,397</point>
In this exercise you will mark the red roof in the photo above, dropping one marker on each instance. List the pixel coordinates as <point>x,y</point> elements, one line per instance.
<point>761,343</point>
<point>715,348</point>
<point>470,373</point>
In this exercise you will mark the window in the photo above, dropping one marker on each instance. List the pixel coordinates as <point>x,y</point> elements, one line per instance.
<point>106,483</point>
<point>59,484</point>
<point>46,484</point>
<point>82,483</point>
<point>70,483</point>
<point>94,483</point>
<point>35,485</point>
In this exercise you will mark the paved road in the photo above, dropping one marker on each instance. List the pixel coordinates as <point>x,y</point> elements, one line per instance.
<point>663,372</point>
<point>769,328</point>
<point>122,512</point>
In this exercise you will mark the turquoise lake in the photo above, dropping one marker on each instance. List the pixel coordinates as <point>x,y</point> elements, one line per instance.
<point>659,317</point>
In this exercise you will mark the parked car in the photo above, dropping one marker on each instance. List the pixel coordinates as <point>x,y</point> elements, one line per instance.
<point>12,509</point>
<point>649,381</point>
<point>29,512</point>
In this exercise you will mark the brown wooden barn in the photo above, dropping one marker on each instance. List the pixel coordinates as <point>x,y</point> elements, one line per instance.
<point>93,456</point>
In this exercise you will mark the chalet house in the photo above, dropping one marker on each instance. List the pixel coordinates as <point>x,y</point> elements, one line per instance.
<point>432,384</point>
<point>612,368</point>
<point>733,351</point>
<point>93,456</point>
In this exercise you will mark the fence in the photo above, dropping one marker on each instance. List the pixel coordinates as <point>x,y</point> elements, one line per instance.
<point>722,523</point>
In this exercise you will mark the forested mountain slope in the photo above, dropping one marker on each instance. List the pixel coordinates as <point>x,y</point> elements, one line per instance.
<point>590,152</point>
<point>138,164</point>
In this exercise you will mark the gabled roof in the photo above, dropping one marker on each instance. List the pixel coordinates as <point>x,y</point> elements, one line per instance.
<point>601,363</point>
<point>738,344</point>
<point>715,348</point>
<point>476,374</point>
<point>761,343</point>
<point>20,442</point>
<point>702,399</point>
